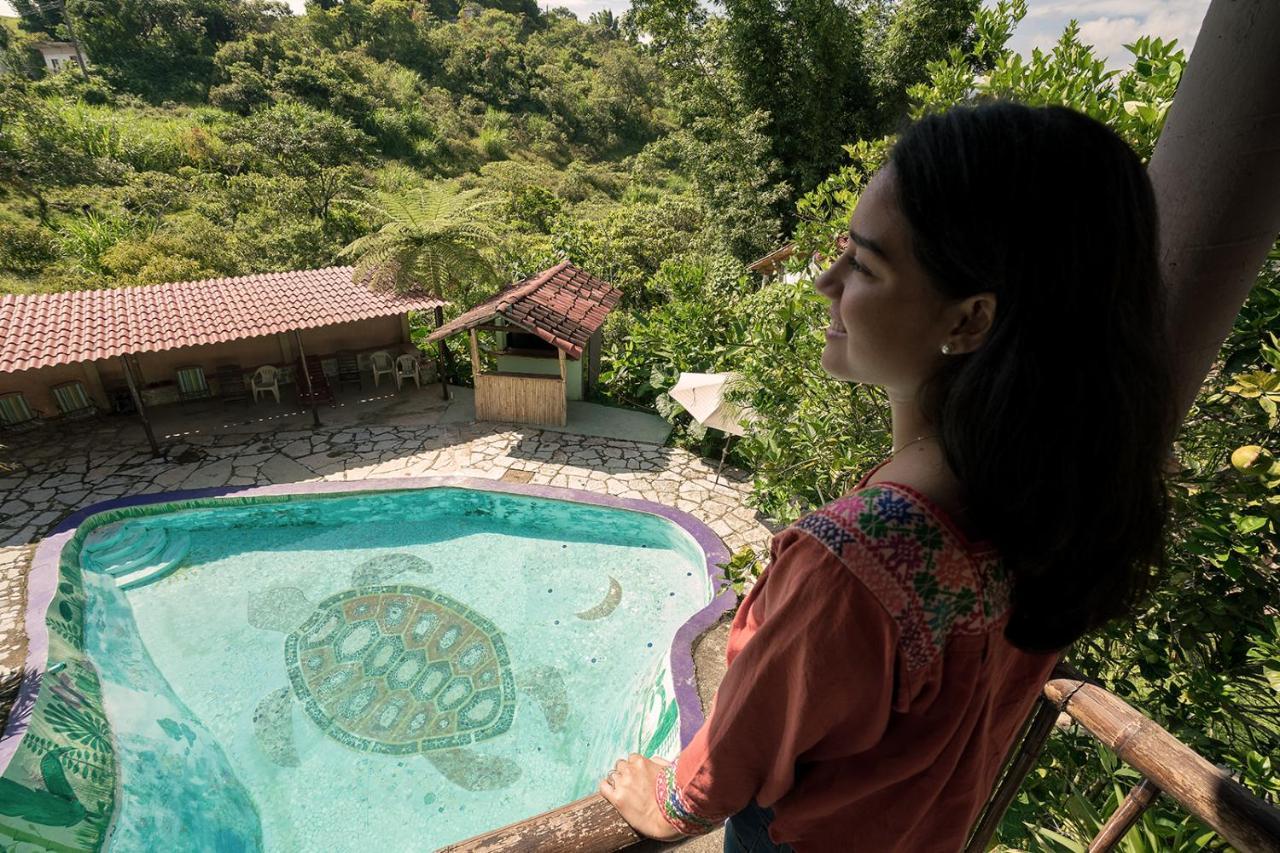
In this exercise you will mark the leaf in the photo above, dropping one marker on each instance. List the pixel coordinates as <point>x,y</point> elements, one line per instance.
<point>1250,523</point>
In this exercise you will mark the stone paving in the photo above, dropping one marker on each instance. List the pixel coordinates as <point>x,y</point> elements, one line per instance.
<point>110,459</point>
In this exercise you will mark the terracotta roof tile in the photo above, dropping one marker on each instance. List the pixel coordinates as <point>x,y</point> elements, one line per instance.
<point>41,330</point>
<point>563,305</point>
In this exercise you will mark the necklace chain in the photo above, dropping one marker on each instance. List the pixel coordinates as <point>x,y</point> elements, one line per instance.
<point>911,442</point>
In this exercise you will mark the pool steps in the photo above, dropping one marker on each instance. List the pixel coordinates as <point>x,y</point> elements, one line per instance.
<point>135,555</point>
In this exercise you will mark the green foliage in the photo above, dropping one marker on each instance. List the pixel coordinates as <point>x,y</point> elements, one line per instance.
<point>741,569</point>
<point>162,49</point>
<point>433,240</point>
<point>26,248</point>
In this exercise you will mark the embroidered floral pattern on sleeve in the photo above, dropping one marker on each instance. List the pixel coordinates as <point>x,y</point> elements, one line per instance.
<point>916,567</point>
<point>675,809</point>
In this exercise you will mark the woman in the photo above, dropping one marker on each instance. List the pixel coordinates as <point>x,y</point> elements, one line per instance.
<point>1001,283</point>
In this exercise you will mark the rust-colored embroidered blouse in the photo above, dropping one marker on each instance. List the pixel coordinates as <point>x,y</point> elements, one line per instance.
<point>871,695</point>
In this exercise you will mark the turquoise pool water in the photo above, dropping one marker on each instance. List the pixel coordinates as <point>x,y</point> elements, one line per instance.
<point>390,671</point>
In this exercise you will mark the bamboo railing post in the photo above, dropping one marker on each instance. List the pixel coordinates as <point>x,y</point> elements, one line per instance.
<point>1138,800</point>
<point>1025,753</point>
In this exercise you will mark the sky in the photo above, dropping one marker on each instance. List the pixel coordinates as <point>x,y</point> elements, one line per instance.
<point>1105,24</point>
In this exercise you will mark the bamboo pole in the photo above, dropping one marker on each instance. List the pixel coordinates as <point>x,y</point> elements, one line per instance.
<point>1216,174</point>
<point>588,825</point>
<point>1210,794</point>
<point>1138,800</point>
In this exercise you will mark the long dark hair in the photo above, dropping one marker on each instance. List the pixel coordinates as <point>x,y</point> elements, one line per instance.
<point>1059,426</point>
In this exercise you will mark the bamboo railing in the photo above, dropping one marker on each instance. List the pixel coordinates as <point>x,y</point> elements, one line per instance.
<point>1169,768</point>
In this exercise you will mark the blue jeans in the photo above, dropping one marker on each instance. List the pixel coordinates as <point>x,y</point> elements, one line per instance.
<point>748,832</point>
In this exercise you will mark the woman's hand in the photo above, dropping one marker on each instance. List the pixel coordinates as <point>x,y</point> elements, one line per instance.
<point>629,788</point>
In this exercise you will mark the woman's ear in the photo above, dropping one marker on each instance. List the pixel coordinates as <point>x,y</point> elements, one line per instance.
<point>976,314</point>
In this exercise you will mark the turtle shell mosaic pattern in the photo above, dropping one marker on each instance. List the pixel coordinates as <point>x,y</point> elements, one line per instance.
<point>401,669</point>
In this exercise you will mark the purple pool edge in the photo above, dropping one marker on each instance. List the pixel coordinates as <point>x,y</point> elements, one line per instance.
<point>42,578</point>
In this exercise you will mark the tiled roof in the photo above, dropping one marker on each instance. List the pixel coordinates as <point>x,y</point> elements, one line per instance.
<point>562,305</point>
<point>41,330</point>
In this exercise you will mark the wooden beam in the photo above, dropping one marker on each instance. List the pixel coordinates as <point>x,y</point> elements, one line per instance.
<point>563,369</point>
<point>139,404</point>
<point>588,825</point>
<point>475,354</point>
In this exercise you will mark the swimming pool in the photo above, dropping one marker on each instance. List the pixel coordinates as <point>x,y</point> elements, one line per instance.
<point>400,664</point>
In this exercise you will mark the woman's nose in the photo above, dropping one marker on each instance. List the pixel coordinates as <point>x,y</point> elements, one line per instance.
<point>825,283</point>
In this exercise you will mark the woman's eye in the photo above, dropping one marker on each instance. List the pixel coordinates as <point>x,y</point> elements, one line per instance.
<point>853,262</point>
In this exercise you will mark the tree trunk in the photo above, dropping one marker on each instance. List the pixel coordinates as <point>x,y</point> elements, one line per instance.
<point>442,358</point>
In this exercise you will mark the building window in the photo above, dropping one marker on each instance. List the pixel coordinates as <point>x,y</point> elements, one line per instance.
<point>528,343</point>
<point>54,63</point>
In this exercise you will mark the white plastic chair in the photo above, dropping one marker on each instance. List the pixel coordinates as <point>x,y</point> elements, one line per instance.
<point>383,365</point>
<point>407,368</point>
<point>266,380</point>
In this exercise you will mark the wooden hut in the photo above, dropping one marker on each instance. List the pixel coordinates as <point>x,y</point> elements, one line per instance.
<point>547,330</point>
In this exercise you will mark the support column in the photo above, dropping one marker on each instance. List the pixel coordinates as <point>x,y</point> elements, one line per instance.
<point>475,355</point>
<point>306,374</point>
<point>141,406</point>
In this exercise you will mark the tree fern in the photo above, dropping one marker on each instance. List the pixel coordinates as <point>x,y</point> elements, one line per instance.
<point>432,240</point>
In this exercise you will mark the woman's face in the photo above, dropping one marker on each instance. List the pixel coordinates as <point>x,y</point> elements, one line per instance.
<point>888,322</point>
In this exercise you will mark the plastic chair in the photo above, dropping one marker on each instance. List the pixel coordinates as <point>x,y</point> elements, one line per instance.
<point>383,365</point>
<point>266,380</point>
<point>407,368</point>
<point>73,401</point>
<point>192,384</point>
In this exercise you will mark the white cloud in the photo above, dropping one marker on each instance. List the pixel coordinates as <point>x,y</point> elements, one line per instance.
<point>1109,24</point>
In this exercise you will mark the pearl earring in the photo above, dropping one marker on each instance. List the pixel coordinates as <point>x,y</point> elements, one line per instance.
<point>946,349</point>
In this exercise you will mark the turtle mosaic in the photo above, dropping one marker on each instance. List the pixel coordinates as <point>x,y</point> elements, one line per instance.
<point>397,669</point>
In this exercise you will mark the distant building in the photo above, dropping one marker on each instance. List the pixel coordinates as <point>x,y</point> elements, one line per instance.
<point>772,266</point>
<point>58,55</point>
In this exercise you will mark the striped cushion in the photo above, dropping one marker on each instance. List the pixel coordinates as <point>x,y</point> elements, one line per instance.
<point>71,398</point>
<point>191,380</point>
<point>14,410</point>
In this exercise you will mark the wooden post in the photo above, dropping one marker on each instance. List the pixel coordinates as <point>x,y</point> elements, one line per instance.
<point>475,355</point>
<point>564,385</point>
<point>441,358</point>
<point>141,406</point>
<point>724,451</point>
<point>306,372</point>
<point>1122,819</point>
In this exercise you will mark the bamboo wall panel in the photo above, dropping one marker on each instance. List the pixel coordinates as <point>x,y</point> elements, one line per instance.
<point>520,398</point>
